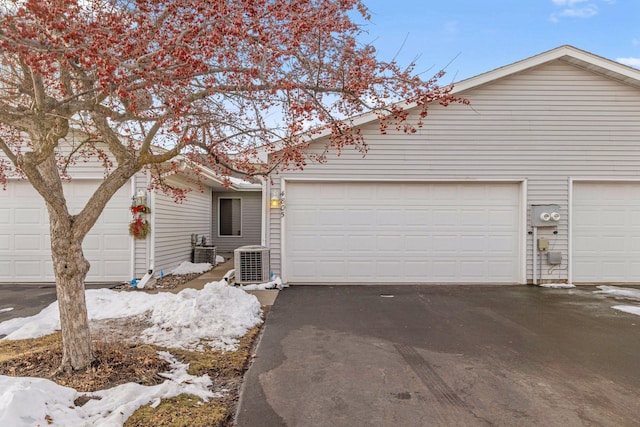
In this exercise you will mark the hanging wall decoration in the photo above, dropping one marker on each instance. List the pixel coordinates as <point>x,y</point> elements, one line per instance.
<point>139,227</point>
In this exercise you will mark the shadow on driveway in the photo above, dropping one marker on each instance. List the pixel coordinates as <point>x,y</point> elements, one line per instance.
<point>444,355</point>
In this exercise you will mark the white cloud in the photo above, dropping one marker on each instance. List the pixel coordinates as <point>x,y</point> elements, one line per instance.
<point>630,61</point>
<point>451,27</point>
<point>580,12</point>
<point>576,9</point>
<point>569,3</point>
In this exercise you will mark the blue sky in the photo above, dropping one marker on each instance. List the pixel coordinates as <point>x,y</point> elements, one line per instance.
<point>470,37</point>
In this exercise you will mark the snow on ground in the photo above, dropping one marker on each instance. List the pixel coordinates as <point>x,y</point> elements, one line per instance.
<point>627,293</point>
<point>37,401</point>
<point>274,284</point>
<point>188,268</point>
<point>558,285</point>
<point>4,310</point>
<point>615,291</point>
<point>631,309</point>
<point>219,259</point>
<point>219,314</point>
<point>101,304</point>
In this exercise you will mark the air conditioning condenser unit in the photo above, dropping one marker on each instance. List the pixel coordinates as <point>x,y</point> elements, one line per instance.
<point>251,264</point>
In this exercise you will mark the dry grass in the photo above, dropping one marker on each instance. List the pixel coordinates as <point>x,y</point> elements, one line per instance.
<point>118,363</point>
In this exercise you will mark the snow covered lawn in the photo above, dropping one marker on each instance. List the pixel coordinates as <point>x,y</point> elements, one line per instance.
<point>214,317</point>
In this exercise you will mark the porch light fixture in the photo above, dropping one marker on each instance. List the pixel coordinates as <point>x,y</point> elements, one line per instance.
<point>141,198</point>
<point>276,199</point>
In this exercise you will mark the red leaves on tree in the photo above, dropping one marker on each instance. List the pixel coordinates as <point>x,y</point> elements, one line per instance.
<point>217,78</point>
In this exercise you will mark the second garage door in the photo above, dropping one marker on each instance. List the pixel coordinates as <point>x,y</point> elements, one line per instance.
<point>606,232</point>
<point>401,232</point>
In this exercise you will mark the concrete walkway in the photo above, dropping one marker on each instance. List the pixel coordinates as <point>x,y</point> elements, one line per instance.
<point>266,297</point>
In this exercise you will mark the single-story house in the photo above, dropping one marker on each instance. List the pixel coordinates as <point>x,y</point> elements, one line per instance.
<point>538,179</point>
<point>227,217</point>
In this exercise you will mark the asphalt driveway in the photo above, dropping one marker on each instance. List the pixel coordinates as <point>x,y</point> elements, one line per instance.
<point>444,355</point>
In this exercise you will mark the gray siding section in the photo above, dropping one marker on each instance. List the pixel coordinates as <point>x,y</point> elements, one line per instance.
<point>175,222</point>
<point>251,221</point>
<point>543,125</point>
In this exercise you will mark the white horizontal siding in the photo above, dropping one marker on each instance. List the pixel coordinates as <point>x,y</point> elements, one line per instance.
<point>175,222</point>
<point>544,125</point>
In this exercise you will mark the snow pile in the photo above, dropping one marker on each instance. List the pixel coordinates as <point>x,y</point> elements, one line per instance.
<point>558,285</point>
<point>5,310</point>
<point>217,315</point>
<point>101,304</point>
<point>37,401</point>
<point>219,259</point>
<point>189,268</point>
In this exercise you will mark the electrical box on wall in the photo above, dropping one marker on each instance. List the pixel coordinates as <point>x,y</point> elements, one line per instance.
<point>554,258</point>
<point>543,244</point>
<point>545,215</point>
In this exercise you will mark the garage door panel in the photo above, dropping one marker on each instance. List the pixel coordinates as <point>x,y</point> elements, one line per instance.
<point>385,217</point>
<point>474,244</point>
<point>500,218</point>
<point>606,232</point>
<point>415,269</point>
<point>91,243</point>
<point>413,244</point>
<point>502,243</point>
<point>28,242</point>
<point>445,271</point>
<point>115,243</point>
<point>417,218</point>
<point>444,217</point>
<point>25,241</point>
<point>390,242</point>
<point>25,216</point>
<point>424,236</point>
<point>446,244</point>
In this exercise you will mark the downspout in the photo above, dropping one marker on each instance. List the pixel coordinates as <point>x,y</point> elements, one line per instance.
<point>132,261</point>
<point>263,213</point>
<point>535,255</point>
<point>151,246</point>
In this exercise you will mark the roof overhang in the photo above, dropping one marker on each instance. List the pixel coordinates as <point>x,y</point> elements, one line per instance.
<point>569,54</point>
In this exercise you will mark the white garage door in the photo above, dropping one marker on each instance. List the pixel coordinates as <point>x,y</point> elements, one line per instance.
<point>401,232</point>
<point>24,234</point>
<point>606,232</point>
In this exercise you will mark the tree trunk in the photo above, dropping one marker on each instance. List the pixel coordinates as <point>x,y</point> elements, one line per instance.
<point>71,268</point>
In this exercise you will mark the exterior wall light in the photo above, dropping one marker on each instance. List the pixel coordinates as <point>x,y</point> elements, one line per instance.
<point>276,199</point>
<point>141,198</point>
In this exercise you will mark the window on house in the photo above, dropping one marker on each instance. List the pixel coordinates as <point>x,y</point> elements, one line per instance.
<point>230,217</point>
